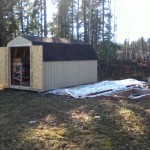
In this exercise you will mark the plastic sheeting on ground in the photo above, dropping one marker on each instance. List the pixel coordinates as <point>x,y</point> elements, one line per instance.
<point>105,88</point>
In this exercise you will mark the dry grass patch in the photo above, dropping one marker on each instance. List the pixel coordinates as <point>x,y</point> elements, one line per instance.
<point>33,121</point>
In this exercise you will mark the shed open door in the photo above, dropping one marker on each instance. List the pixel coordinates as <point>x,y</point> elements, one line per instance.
<point>37,67</point>
<point>4,66</point>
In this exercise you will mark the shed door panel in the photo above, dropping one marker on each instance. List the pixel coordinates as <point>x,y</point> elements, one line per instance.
<point>37,67</point>
<point>3,66</point>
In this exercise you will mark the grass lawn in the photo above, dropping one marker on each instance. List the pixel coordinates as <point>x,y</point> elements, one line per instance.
<point>31,121</point>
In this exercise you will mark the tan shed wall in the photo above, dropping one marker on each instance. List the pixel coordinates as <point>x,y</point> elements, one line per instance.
<point>68,73</point>
<point>19,41</point>
<point>4,66</point>
<point>36,67</point>
<point>36,62</point>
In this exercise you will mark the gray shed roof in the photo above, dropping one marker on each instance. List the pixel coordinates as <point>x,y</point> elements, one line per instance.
<point>58,49</point>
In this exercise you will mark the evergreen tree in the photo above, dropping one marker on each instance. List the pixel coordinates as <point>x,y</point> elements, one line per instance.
<point>8,24</point>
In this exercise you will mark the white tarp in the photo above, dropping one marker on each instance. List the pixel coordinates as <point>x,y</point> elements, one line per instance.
<point>98,89</point>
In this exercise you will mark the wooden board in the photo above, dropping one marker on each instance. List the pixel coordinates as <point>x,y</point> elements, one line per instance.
<point>3,66</point>
<point>36,65</point>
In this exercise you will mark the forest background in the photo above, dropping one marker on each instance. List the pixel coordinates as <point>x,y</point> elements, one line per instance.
<point>92,21</point>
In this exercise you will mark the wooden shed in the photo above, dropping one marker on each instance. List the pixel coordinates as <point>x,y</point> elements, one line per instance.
<point>40,64</point>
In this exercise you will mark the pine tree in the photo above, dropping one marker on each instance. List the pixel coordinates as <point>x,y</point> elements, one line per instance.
<point>7,22</point>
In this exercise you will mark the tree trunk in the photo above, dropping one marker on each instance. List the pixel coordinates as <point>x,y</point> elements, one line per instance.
<point>45,18</point>
<point>78,21</point>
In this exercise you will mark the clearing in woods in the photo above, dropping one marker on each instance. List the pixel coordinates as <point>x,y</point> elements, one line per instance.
<point>29,120</point>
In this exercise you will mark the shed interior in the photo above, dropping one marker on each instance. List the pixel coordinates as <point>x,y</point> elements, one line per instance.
<point>20,66</point>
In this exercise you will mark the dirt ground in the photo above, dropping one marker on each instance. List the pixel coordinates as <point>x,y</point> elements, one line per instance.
<point>31,121</point>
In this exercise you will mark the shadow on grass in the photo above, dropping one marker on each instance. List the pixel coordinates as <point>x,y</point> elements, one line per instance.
<point>32,121</point>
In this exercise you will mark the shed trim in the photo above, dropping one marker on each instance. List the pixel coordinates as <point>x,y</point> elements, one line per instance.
<point>19,41</point>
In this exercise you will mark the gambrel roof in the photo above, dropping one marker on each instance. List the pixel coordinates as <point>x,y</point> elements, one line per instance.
<point>61,49</point>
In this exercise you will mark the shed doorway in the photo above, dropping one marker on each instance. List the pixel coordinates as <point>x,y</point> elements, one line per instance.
<point>20,66</point>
